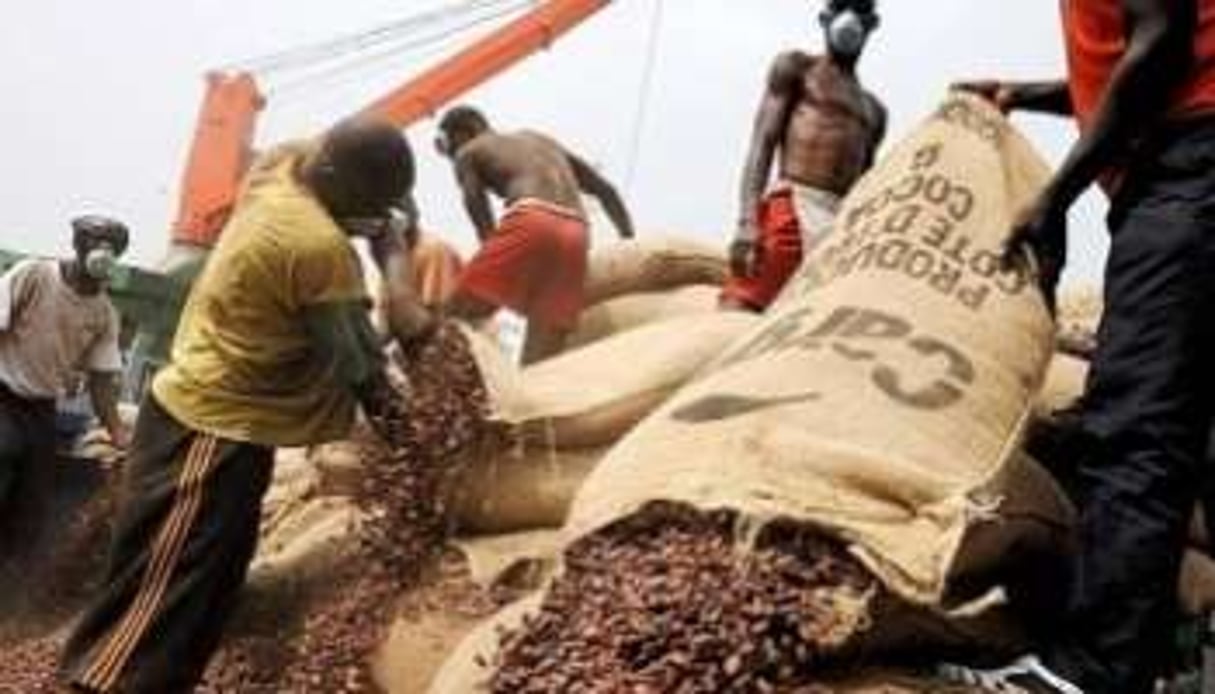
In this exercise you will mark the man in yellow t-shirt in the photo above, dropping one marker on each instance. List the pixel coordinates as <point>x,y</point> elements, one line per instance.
<point>275,348</point>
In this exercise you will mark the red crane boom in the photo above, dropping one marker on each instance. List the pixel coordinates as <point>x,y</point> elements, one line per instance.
<point>223,139</point>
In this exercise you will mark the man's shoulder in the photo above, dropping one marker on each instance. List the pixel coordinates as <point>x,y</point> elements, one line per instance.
<point>794,60</point>
<point>34,267</point>
<point>789,67</point>
<point>288,213</point>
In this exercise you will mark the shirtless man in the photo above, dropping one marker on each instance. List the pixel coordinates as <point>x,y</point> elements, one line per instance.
<point>827,129</point>
<point>534,260</point>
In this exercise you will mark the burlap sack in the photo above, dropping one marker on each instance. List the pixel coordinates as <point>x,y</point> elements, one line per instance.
<point>652,264</point>
<point>635,310</point>
<point>593,396</point>
<point>1196,589</point>
<point>307,544</point>
<point>1064,384</point>
<point>883,399</point>
<point>469,667</point>
<point>1080,308</point>
<point>519,489</point>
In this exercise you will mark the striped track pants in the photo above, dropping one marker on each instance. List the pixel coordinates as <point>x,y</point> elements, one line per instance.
<point>184,539</point>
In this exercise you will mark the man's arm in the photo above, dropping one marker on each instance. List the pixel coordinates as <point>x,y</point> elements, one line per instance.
<point>104,388</point>
<point>1051,97</point>
<point>14,293</point>
<point>593,183</point>
<point>103,364</point>
<point>476,197</point>
<point>406,317</point>
<point>881,121</point>
<point>770,122</point>
<point>1159,51</point>
<point>1159,40</point>
<point>344,334</point>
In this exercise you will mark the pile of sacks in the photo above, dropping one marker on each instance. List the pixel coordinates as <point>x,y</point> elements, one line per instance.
<point>842,484</point>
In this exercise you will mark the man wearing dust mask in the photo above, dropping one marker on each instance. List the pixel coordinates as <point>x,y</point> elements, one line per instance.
<point>826,129</point>
<point>56,319</point>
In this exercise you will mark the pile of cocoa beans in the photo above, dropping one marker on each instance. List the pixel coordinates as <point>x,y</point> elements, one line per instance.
<point>339,629</point>
<point>675,600</point>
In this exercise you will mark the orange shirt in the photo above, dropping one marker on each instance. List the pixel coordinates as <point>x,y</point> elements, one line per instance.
<point>1096,41</point>
<point>434,269</point>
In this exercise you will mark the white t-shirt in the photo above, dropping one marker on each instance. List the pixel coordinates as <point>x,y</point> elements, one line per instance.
<point>48,331</point>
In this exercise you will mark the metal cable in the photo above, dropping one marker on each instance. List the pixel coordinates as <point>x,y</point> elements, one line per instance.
<point>304,56</point>
<point>343,71</point>
<point>643,101</point>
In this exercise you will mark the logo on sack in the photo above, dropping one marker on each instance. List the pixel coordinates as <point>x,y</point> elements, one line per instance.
<point>715,408</point>
<point>864,336</point>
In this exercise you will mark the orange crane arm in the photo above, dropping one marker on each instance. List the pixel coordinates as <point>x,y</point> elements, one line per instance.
<point>224,136</point>
<point>484,60</point>
<point>219,157</point>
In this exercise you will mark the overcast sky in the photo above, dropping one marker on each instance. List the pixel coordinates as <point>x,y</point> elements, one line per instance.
<point>100,98</point>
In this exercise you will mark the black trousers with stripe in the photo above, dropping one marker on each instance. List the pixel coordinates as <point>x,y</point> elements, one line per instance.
<point>184,539</point>
<point>27,465</point>
<point>1146,418</point>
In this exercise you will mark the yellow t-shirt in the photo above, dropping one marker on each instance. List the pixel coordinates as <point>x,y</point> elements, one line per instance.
<point>243,366</point>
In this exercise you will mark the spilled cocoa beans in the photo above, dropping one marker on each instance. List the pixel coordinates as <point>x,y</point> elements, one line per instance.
<point>674,600</point>
<point>402,491</point>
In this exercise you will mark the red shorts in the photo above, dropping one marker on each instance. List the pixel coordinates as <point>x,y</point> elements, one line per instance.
<point>780,253</point>
<point>534,264</point>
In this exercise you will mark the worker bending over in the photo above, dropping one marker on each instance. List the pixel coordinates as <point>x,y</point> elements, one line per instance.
<point>534,260</point>
<point>1142,87</point>
<point>56,319</point>
<point>275,348</point>
<point>420,276</point>
<point>827,129</point>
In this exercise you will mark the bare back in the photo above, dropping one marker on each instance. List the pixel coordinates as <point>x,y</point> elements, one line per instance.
<point>522,165</point>
<point>833,128</point>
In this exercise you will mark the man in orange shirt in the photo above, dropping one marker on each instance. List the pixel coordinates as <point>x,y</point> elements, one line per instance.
<point>420,277</point>
<point>1142,87</point>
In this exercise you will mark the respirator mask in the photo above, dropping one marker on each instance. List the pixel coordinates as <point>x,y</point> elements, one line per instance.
<point>99,263</point>
<point>847,33</point>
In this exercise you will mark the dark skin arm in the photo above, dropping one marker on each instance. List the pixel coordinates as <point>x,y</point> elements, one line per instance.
<point>476,196</point>
<point>104,394</point>
<point>1052,98</point>
<point>343,332</point>
<point>594,184</point>
<point>1159,39</point>
<point>770,122</point>
<point>881,119</point>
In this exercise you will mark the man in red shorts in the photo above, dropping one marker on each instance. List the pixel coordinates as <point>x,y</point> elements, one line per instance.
<point>827,129</point>
<point>533,260</point>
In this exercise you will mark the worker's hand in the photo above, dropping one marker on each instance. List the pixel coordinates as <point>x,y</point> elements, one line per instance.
<point>121,436</point>
<point>1039,245</point>
<point>1002,95</point>
<point>744,252</point>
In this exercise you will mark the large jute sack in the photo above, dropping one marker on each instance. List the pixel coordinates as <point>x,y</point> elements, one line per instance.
<point>1080,309</point>
<point>519,489</point>
<point>884,398</point>
<point>1196,589</point>
<point>592,396</point>
<point>635,310</point>
<point>652,264</point>
<point>1064,384</point>
<point>307,544</point>
<point>469,666</point>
